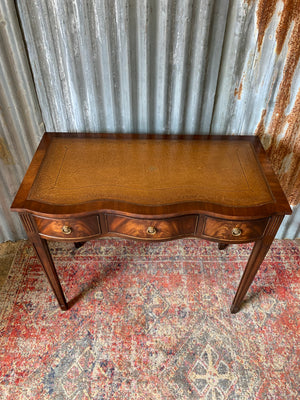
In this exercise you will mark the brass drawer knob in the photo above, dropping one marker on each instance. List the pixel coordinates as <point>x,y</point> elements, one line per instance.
<point>236,232</point>
<point>151,230</point>
<point>66,230</point>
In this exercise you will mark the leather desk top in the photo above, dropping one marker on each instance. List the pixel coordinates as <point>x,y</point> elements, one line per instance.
<point>150,175</point>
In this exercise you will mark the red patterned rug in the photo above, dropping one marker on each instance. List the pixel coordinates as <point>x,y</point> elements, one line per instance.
<point>151,321</point>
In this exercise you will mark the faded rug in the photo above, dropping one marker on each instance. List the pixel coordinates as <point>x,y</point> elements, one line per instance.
<point>151,321</point>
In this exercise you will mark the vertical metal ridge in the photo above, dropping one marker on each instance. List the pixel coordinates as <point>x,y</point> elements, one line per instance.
<point>217,26</point>
<point>124,63</point>
<point>143,74</point>
<point>178,84</point>
<point>84,71</point>
<point>161,61</point>
<point>103,58</point>
<point>198,51</point>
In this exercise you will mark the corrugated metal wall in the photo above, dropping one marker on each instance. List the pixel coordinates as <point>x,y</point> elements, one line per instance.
<point>125,65</point>
<point>21,123</point>
<point>171,66</point>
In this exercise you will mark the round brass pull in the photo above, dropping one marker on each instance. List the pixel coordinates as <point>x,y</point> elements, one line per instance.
<point>236,232</point>
<point>151,230</point>
<point>66,230</point>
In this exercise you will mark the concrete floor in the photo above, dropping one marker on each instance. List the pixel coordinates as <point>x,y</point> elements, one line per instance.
<point>7,254</point>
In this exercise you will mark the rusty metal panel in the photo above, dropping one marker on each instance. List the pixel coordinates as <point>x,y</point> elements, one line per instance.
<point>21,124</point>
<point>259,89</point>
<point>167,66</point>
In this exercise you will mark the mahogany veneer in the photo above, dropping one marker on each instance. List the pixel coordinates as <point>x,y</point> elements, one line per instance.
<point>151,187</point>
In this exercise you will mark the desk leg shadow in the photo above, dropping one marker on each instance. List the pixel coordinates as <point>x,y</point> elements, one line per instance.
<point>222,246</point>
<point>78,244</point>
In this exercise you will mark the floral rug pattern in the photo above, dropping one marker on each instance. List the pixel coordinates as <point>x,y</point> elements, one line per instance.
<point>151,321</point>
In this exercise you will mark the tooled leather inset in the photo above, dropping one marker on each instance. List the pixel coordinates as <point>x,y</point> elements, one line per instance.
<point>153,172</point>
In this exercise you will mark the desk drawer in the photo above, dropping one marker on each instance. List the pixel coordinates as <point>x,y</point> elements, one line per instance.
<point>234,231</point>
<point>152,229</point>
<point>68,228</point>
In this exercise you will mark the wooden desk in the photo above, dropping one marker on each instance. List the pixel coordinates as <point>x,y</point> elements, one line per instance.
<point>83,186</point>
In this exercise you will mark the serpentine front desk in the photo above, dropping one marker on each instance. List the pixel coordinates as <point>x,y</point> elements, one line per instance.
<point>151,187</point>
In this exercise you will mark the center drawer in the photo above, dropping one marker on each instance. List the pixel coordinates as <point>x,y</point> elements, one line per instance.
<point>68,228</point>
<point>152,229</point>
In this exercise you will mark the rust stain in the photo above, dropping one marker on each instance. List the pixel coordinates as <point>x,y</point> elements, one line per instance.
<point>288,152</point>
<point>260,130</point>
<point>238,92</point>
<point>5,154</point>
<point>283,97</point>
<point>264,14</point>
<point>290,10</point>
<point>284,152</point>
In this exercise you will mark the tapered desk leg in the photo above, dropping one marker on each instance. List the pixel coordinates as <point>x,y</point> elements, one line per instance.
<point>42,250</point>
<point>257,256</point>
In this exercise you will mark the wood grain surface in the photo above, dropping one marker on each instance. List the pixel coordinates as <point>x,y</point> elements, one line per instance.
<point>152,229</point>
<point>151,175</point>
